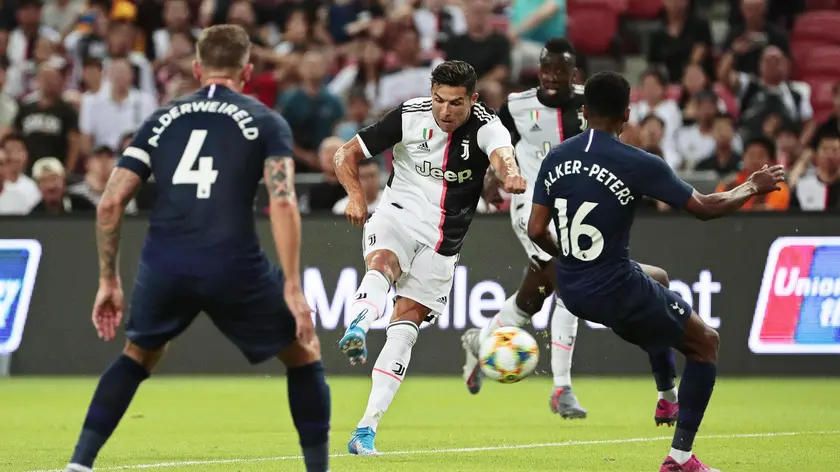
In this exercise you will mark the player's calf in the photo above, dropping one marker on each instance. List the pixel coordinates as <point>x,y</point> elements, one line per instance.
<point>700,346</point>
<point>111,399</point>
<point>309,402</point>
<point>369,302</point>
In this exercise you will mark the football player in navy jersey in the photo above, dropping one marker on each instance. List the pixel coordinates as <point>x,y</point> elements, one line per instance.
<point>208,152</point>
<point>588,187</point>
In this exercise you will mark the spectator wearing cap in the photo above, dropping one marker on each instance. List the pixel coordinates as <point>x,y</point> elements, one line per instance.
<point>724,159</point>
<point>12,200</point>
<point>654,101</point>
<point>311,110</point>
<point>99,166</point>
<point>370,178</point>
<point>697,141</point>
<point>745,43</point>
<point>8,105</point>
<point>820,191</point>
<point>17,161</point>
<point>29,29</point>
<point>49,125</point>
<point>104,117</point>
<point>50,175</point>
<point>487,51</point>
<point>759,152</point>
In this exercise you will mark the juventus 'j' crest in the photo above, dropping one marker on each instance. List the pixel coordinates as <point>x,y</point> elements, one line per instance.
<point>465,149</point>
<point>583,123</point>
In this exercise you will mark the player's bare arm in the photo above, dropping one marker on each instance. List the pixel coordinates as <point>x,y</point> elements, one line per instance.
<point>506,170</point>
<point>346,162</point>
<point>279,175</point>
<point>709,207</point>
<point>120,189</point>
<point>538,230</point>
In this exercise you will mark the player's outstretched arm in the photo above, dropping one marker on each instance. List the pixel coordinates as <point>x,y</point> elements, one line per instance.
<point>709,207</point>
<point>120,189</point>
<point>346,162</point>
<point>538,231</point>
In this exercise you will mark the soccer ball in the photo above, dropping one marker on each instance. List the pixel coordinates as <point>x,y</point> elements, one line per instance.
<point>509,355</point>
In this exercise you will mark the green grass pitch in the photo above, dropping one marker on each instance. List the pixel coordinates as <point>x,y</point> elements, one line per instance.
<point>242,424</point>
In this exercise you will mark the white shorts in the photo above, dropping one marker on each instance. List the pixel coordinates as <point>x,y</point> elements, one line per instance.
<point>426,275</point>
<point>520,213</point>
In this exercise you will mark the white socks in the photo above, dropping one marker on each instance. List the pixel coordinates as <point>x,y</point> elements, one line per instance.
<point>564,326</point>
<point>510,315</point>
<point>370,299</point>
<point>670,395</point>
<point>77,468</point>
<point>389,370</point>
<point>680,456</point>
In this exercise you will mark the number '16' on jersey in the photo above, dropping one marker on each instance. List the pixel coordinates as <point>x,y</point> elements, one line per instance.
<point>593,183</point>
<point>206,152</point>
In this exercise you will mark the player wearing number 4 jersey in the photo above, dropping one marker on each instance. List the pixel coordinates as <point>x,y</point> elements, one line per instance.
<point>208,152</point>
<point>442,148</point>
<point>590,186</point>
<point>538,120</point>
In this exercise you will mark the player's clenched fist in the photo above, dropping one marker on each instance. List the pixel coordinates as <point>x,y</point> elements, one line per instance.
<point>767,179</point>
<point>514,184</point>
<point>356,211</point>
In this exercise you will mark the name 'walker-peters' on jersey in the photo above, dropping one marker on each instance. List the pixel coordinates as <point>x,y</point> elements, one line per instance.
<point>593,182</point>
<point>206,151</point>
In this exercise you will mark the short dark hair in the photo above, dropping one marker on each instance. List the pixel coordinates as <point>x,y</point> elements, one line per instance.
<point>560,46</point>
<point>764,142</point>
<point>826,137</point>
<point>607,94</point>
<point>455,74</point>
<point>101,150</point>
<point>223,47</point>
<point>722,115</point>
<point>652,117</point>
<point>12,137</point>
<point>658,73</point>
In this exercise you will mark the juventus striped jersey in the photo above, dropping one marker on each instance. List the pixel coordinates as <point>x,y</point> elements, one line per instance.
<point>537,122</point>
<point>812,194</point>
<point>437,177</point>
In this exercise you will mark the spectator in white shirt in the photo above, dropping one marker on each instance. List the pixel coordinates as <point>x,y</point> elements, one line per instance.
<point>176,18</point>
<point>369,176</point>
<point>437,22</point>
<point>120,43</point>
<point>12,201</point>
<point>29,29</point>
<point>697,142</point>
<point>104,117</point>
<point>17,159</point>
<point>8,105</point>
<point>654,102</point>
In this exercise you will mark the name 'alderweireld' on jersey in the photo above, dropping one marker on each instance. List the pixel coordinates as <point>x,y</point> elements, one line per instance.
<point>242,117</point>
<point>601,174</point>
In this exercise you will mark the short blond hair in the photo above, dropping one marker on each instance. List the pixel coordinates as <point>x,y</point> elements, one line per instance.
<point>223,47</point>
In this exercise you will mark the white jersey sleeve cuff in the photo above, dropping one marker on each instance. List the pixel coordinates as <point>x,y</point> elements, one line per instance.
<point>138,154</point>
<point>493,136</point>
<point>364,147</point>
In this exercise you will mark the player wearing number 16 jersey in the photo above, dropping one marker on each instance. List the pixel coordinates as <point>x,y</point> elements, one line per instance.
<point>208,152</point>
<point>588,189</point>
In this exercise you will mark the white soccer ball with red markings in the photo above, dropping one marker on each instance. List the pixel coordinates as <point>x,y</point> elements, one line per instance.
<point>509,355</point>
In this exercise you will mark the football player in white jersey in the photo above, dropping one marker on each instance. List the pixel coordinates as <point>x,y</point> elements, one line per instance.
<point>539,119</point>
<point>442,148</point>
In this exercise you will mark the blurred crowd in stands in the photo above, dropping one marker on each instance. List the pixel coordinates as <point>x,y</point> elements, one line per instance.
<point>726,86</point>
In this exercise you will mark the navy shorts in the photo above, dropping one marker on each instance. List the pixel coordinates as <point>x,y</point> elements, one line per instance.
<point>641,311</point>
<point>248,307</point>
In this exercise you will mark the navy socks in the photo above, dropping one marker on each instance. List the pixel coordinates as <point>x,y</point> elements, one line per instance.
<point>110,401</point>
<point>664,368</point>
<point>696,388</point>
<point>309,400</point>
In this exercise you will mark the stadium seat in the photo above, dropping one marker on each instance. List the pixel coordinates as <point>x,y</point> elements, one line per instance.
<point>799,49</point>
<point>813,5</point>
<point>644,9</point>
<point>591,30</point>
<point>618,6</point>
<point>820,61</point>
<point>822,92</point>
<point>821,26</point>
